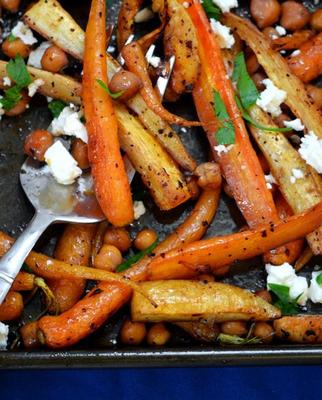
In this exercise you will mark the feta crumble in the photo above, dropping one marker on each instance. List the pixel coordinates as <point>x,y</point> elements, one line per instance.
<point>226,39</point>
<point>315,290</point>
<point>34,59</point>
<point>280,30</point>
<point>34,86</point>
<point>139,209</point>
<point>144,15</point>
<point>295,53</point>
<point>6,81</point>
<point>155,61</point>
<point>61,164</point>
<point>295,124</point>
<point>296,174</point>
<point>69,123</point>
<point>270,179</point>
<point>311,151</point>
<point>221,148</point>
<point>271,98</point>
<point>23,32</point>
<point>226,5</point>
<point>4,332</point>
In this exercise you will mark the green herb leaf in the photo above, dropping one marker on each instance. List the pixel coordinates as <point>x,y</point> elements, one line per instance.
<point>234,339</point>
<point>211,9</point>
<point>226,132</point>
<point>287,305</point>
<point>11,97</point>
<point>319,279</point>
<point>107,90</point>
<point>11,37</point>
<point>137,257</point>
<point>56,107</point>
<point>18,72</point>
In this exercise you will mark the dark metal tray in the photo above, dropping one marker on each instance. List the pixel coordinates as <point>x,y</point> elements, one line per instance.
<point>102,348</point>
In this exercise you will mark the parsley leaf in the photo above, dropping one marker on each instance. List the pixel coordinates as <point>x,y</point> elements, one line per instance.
<point>11,97</point>
<point>226,132</point>
<point>287,305</point>
<point>18,72</point>
<point>56,107</point>
<point>319,279</point>
<point>11,37</point>
<point>211,10</point>
<point>137,257</point>
<point>107,90</point>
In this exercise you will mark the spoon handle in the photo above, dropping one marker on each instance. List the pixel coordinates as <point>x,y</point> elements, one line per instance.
<point>11,262</point>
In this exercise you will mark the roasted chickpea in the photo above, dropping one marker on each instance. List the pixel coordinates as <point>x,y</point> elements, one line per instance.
<point>80,153</point>
<point>126,82</point>
<point>37,143</point>
<point>10,5</point>
<point>264,331</point>
<point>316,20</point>
<point>294,15</point>
<point>29,336</point>
<point>20,107</point>
<point>265,295</point>
<point>118,237</point>
<point>265,12</point>
<point>132,333</point>
<point>252,64</point>
<point>109,257</point>
<point>209,176</point>
<point>158,335</point>
<point>238,328</point>
<point>316,94</point>
<point>258,78</point>
<point>11,48</point>
<point>145,238</point>
<point>54,59</point>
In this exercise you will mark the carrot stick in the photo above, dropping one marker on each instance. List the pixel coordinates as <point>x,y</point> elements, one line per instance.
<point>291,42</point>
<point>125,23</point>
<point>111,184</point>
<point>186,261</point>
<point>12,307</point>
<point>23,282</point>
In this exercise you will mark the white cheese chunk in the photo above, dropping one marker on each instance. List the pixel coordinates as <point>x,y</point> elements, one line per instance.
<point>296,174</point>
<point>280,30</point>
<point>271,98</point>
<point>295,124</point>
<point>69,123</point>
<point>155,61</point>
<point>298,288</point>
<point>225,38</point>
<point>34,59</point>
<point>4,332</point>
<point>296,53</point>
<point>221,148</point>
<point>61,164</point>
<point>311,151</point>
<point>226,5</point>
<point>144,15</point>
<point>6,81</point>
<point>315,290</point>
<point>139,209</point>
<point>34,86</point>
<point>270,179</point>
<point>23,32</point>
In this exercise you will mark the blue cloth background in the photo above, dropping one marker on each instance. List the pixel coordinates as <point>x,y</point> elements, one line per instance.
<point>166,384</point>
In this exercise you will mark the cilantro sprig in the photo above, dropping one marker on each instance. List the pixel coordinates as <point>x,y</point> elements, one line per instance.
<point>211,9</point>
<point>11,37</point>
<point>56,107</point>
<point>226,132</point>
<point>137,257</point>
<point>107,90</point>
<point>287,305</point>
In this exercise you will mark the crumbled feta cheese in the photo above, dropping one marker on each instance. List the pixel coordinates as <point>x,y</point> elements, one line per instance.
<point>221,148</point>
<point>226,39</point>
<point>155,61</point>
<point>139,209</point>
<point>61,164</point>
<point>144,15</point>
<point>226,5</point>
<point>299,288</point>
<point>282,52</point>
<point>269,186</point>
<point>296,53</point>
<point>4,332</point>
<point>34,59</point>
<point>315,290</point>
<point>270,179</point>
<point>69,123</point>
<point>183,129</point>
<point>49,99</point>
<point>271,98</point>
<point>23,32</point>
<point>311,151</point>
<point>111,49</point>
<point>34,86</point>
<point>296,124</point>
<point>280,30</point>
<point>6,81</point>
<point>296,174</point>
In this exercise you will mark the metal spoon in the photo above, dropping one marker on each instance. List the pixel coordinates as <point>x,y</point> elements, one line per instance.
<point>54,203</point>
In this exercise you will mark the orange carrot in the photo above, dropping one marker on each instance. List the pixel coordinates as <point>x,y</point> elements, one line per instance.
<point>111,183</point>
<point>12,307</point>
<point>125,23</point>
<point>24,281</point>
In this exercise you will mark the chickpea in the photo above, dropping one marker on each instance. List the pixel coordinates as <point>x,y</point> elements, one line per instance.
<point>316,94</point>
<point>264,331</point>
<point>11,48</point>
<point>158,335</point>
<point>80,153</point>
<point>29,336</point>
<point>37,143</point>
<point>132,333</point>
<point>209,175</point>
<point>127,82</point>
<point>118,237</point>
<point>145,238</point>
<point>258,78</point>
<point>20,107</point>
<point>109,257</point>
<point>294,15</point>
<point>265,295</point>
<point>54,59</point>
<point>238,328</point>
<point>265,12</point>
<point>316,20</point>
<point>270,33</point>
<point>252,64</point>
<point>10,5</point>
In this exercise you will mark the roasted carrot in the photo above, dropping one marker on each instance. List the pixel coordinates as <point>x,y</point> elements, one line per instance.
<point>136,63</point>
<point>12,307</point>
<point>23,282</point>
<point>84,317</point>
<point>307,65</point>
<point>293,41</point>
<point>111,182</point>
<point>299,329</point>
<point>188,260</point>
<point>28,333</point>
<point>125,23</point>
